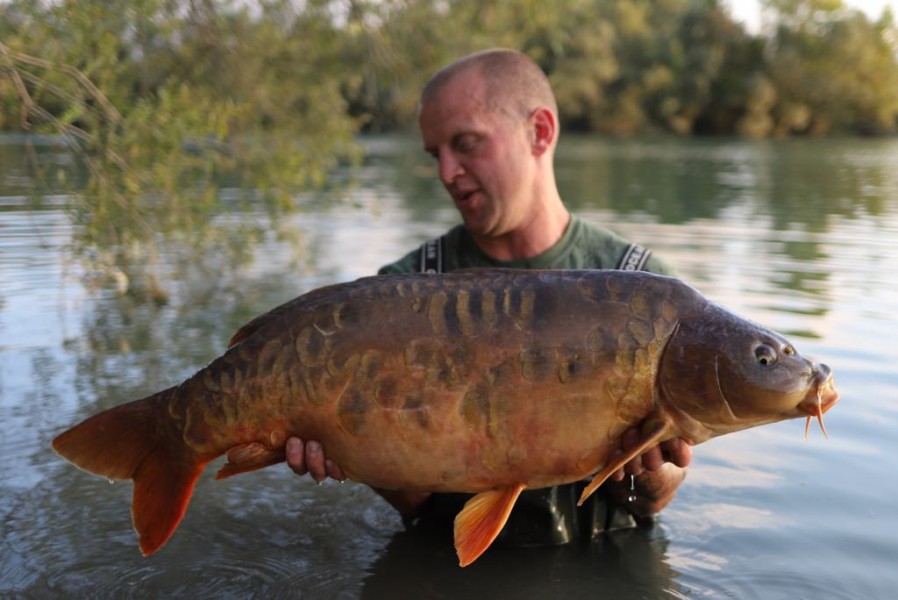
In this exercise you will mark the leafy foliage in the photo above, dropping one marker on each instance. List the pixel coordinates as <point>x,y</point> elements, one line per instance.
<point>636,66</point>
<point>177,104</point>
<point>167,106</point>
<point>833,69</point>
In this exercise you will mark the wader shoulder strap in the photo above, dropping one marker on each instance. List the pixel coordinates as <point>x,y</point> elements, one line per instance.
<point>431,257</point>
<point>431,254</point>
<point>634,258</point>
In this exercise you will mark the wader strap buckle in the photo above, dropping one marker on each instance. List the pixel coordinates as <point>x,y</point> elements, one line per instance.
<point>432,256</point>
<point>634,258</point>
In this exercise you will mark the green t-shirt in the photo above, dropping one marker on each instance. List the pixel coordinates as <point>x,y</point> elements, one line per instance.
<point>583,246</point>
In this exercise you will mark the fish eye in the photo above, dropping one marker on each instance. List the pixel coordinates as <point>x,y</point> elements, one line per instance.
<point>765,355</point>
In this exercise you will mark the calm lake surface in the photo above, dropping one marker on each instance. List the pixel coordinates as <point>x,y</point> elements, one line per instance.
<point>801,236</point>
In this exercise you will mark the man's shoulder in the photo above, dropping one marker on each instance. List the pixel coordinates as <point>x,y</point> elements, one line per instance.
<point>406,264</point>
<point>590,234</point>
<point>448,244</point>
<point>593,246</point>
<point>597,247</point>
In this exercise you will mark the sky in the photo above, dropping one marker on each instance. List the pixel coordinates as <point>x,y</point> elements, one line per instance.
<point>749,11</point>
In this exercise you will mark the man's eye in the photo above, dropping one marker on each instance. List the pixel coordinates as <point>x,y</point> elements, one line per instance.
<point>465,143</point>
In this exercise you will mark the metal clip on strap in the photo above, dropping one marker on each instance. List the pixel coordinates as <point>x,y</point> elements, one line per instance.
<point>432,256</point>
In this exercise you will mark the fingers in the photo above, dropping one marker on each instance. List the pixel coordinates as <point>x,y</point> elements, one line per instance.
<point>315,461</point>
<point>334,471</point>
<point>308,457</point>
<point>676,450</point>
<point>652,459</point>
<point>295,451</point>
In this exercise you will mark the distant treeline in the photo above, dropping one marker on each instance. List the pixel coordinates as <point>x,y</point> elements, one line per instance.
<point>336,66</point>
<point>171,106</point>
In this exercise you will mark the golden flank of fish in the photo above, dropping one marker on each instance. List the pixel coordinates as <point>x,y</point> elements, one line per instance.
<point>487,381</point>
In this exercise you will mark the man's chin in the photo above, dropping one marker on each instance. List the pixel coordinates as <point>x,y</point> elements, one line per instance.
<point>479,229</point>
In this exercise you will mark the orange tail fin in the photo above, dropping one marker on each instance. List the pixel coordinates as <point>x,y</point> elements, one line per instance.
<point>125,443</point>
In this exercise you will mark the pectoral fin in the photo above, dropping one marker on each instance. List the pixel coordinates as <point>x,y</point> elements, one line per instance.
<point>658,434</point>
<point>250,457</point>
<point>481,520</point>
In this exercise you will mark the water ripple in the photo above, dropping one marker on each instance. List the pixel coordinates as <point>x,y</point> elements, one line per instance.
<point>771,583</point>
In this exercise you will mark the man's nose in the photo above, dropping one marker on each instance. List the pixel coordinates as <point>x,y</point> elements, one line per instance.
<point>450,168</point>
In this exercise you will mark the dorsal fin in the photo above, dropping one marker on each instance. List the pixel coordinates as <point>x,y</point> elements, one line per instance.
<point>309,300</point>
<point>247,330</point>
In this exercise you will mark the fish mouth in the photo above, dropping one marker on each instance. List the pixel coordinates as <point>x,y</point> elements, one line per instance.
<point>821,397</point>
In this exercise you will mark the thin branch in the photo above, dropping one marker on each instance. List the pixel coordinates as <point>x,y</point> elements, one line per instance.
<point>13,57</point>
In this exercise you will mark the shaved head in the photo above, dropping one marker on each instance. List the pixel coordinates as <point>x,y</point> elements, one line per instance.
<point>514,83</point>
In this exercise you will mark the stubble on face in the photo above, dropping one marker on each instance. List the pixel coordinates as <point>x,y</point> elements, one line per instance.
<point>482,153</point>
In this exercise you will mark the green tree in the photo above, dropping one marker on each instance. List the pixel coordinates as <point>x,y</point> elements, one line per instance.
<point>163,100</point>
<point>832,68</point>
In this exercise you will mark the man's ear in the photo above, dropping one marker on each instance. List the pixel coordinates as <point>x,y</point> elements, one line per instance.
<point>544,127</point>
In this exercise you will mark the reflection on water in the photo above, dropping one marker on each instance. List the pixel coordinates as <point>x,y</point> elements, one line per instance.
<point>802,237</point>
<point>421,563</point>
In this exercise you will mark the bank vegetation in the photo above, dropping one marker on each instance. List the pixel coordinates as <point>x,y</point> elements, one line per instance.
<point>169,102</point>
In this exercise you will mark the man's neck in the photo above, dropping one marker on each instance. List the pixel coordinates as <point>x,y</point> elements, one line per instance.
<point>531,239</point>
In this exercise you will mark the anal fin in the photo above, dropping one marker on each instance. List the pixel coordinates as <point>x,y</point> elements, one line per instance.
<point>481,520</point>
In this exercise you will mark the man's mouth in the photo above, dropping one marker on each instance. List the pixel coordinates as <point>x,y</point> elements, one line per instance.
<point>464,196</point>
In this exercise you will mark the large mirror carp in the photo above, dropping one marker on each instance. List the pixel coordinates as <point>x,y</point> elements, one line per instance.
<point>488,381</point>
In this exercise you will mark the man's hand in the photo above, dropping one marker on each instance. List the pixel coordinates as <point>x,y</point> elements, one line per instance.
<point>676,450</point>
<point>659,472</point>
<point>308,457</point>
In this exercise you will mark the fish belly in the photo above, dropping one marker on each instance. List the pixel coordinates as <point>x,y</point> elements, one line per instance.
<point>448,384</point>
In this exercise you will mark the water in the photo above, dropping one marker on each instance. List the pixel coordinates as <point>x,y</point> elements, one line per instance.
<point>801,236</point>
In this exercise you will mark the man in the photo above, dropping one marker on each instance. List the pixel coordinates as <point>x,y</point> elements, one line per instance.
<point>491,123</point>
